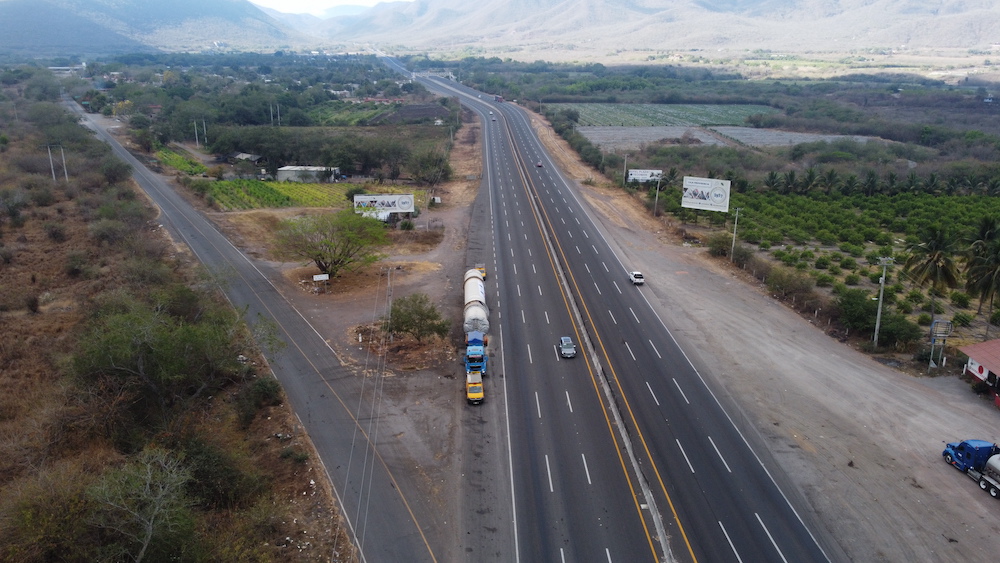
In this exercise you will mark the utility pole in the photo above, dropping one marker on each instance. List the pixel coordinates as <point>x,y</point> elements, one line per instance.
<point>625,170</point>
<point>196,134</point>
<point>884,262</point>
<point>656,199</point>
<point>736,223</point>
<point>65,171</point>
<point>52,166</point>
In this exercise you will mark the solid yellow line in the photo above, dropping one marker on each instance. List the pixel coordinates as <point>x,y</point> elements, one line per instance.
<point>614,374</point>
<point>593,378</point>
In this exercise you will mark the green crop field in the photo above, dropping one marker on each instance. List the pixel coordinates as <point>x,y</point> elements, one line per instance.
<point>180,162</point>
<point>237,195</point>
<point>658,115</point>
<point>341,114</point>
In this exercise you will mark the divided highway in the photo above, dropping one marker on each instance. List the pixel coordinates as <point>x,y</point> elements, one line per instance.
<point>675,479</point>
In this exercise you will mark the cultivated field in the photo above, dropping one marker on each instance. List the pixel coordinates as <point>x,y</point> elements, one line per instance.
<point>242,195</point>
<point>653,115</point>
<point>613,139</point>
<point>771,138</point>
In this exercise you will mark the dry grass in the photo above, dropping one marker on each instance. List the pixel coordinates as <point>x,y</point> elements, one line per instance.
<point>47,427</point>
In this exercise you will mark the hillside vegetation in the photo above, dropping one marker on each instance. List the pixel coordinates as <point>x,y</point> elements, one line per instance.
<point>139,421</point>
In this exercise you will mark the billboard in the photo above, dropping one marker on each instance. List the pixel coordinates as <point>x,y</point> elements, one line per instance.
<point>706,193</point>
<point>390,203</point>
<point>644,175</point>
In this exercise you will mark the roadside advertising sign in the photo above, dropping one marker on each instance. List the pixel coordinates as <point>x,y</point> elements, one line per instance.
<point>644,176</point>
<point>706,193</point>
<point>393,203</point>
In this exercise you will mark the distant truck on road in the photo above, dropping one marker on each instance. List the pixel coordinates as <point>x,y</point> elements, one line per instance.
<point>978,459</point>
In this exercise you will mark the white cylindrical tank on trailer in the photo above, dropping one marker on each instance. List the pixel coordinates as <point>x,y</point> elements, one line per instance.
<point>475,290</point>
<point>477,315</point>
<point>993,466</point>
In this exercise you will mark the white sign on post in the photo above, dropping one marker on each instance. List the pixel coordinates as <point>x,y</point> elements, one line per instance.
<point>644,176</point>
<point>321,277</point>
<point>393,203</point>
<point>706,193</point>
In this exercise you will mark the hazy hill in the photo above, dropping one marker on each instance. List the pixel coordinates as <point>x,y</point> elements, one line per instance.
<point>533,29</point>
<point>611,25</point>
<point>102,26</point>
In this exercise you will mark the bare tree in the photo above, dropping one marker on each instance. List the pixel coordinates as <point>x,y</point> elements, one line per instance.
<point>143,500</point>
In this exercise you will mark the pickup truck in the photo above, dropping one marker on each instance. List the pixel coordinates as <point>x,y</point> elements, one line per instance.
<point>636,278</point>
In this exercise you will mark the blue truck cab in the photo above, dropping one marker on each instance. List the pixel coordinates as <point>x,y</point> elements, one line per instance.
<point>475,352</point>
<point>969,454</point>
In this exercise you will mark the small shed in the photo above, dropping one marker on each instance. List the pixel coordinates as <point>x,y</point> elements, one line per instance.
<point>307,174</point>
<point>984,364</point>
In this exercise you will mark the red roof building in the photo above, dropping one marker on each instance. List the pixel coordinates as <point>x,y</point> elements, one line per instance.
<point>984,364</point>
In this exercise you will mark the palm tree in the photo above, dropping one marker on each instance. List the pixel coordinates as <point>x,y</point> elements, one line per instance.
<point>891,179</point>
<point>933,184</point>
<point>809,181</point>
<point>849,185</point>
<point>830,180</point>
<point>982,244</point>
<point>789,183</point>
<point>870,184</point>
<point>772,181</point>
<point>932,262</point>
<point>983,278</point>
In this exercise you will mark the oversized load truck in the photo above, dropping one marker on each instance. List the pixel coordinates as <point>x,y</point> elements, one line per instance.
<point>978,459</point>
<point>477,315</point>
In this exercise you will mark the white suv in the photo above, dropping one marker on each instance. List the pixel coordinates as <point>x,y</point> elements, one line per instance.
<point>636,278</point>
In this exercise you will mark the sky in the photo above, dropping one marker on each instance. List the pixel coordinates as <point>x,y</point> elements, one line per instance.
<point>314,7</point>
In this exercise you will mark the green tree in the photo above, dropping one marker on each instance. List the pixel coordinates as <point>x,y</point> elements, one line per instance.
<point>335,242</point>
<point>417,316</point>
<point>932,261</point>
<point>429,167</point>
<point>149,363</point>
<point>857,309</point>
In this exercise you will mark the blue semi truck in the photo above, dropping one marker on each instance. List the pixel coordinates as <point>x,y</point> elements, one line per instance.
<point>475,352</point>
<point>978,459</point>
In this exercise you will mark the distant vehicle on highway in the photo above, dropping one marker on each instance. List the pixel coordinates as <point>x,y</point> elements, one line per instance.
<point>636,278</point>
<point>538,164</point>
<point>566,347</point>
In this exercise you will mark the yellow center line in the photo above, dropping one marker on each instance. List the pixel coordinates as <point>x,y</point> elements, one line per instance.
<point>529,189</point>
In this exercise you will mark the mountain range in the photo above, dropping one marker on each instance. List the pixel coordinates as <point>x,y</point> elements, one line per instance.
<point>522,29</point>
